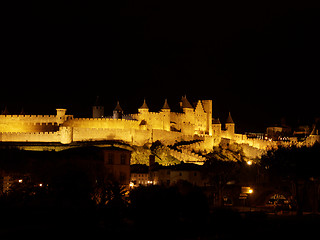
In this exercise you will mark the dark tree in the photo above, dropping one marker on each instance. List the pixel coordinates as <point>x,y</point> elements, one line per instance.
<point>219,173</point>
<point>299,167</point>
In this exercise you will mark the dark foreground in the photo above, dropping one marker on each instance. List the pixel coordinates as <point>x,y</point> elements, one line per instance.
<point>89,224</point>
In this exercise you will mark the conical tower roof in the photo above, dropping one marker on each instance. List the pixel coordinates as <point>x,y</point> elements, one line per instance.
<point>165,105</point>
<point>229,119</point>
<point>118,107</point>
<point>185,102</point>
<point>144,105</point>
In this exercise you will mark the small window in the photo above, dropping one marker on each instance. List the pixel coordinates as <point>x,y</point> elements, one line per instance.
<point>111,158</point>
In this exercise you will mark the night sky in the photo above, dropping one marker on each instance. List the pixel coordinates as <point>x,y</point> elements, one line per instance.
<point>257,59</point>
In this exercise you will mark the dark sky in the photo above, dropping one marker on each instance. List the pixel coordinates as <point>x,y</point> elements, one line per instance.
<point>257,59</point>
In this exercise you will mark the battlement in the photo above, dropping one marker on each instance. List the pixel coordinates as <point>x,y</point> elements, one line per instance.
<point>101,123</point>
<point>28,118</point>
<point>28,133</point>
<point>30,137</point>
<point>104,119</point>
<point>155,113</point>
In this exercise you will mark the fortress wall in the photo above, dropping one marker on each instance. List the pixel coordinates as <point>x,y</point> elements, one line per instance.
<point>132,136</point>
<point>155,119</point>
<point>187,129</point>
<point>30,137</point>
<point>206,144</point>
<point>253,142</point>
<point>187,156</point>
<point>134,116</point>
<point>186,122</point>
<point>251,152</point>
<point>25,127</point>
<point>200,120</point>
<point>102,123</point>
<point>28,118</point>
<point>141,137</point>
<point>96,134</point>
<point>170,137</point>
<point>177,119</point>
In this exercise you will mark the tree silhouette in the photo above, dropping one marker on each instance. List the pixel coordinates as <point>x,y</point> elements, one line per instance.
<point>299,166</point>
<point>219,173</point>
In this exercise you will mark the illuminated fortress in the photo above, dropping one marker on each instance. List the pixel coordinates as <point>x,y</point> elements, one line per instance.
<point>192,124</point>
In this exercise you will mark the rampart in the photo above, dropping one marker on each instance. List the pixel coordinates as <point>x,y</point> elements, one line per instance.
<point>30,123</point>
<point>28,118</point>
<point>30,137</point>
<point>187,156</point>
<point>138,129</point>
<point>170,137</point>
<point>102,123</point>
<point>28,127</point>
<point>132,136</point>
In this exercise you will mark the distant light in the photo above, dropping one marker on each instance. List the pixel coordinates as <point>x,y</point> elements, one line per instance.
<point>249,162</point>
<point>246,190</point>
<point>131,184</point>
<point>20,180</point>
<point>40,185</point>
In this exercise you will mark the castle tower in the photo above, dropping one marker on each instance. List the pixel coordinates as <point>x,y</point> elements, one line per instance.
<point>207,105</point>
<point>66,135</point>
<point>117,112</point>
<point>166,115</point>
<point>97,109</point>
<point>61,115</point>
<point>144,108</point>
<point>188,118</point>
<point>185,105</point>
<point>230,126</point>
<point>216,127</point>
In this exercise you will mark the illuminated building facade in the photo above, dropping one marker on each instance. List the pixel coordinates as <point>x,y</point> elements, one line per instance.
<point>193,123</point>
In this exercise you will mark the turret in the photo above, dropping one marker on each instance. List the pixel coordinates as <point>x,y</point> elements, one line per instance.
<point>61,115</point>
<point>188,126</point>
<point>207,105</point>
<point>117,112</point>
<point>66,135</point>
<point>230,126</point>
<point>166,115</point>
<point>144,108</point>
<point>185,105</point>
<point>216,127</point>
<point>97,109</point>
